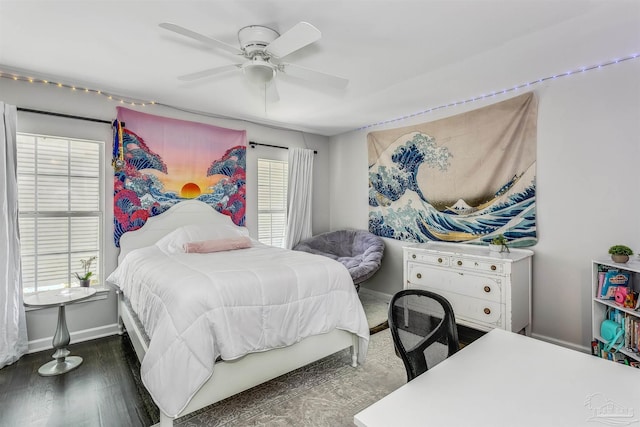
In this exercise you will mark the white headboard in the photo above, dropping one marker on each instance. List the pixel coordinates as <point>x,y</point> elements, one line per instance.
<point>183,213</point>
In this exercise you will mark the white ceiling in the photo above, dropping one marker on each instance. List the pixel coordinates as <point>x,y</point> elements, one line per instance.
<point>401,57</point>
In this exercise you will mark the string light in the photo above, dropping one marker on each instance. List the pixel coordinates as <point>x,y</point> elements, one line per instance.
<point>144,103</point>
<point>73,88</point>
<point>504,91</point>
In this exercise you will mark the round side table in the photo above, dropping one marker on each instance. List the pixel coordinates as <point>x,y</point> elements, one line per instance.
<point>59,298</point>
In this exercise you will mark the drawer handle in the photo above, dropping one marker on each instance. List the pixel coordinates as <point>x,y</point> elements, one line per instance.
<point>413,256</point>
<point>487,289</point>
<point>487,311</point>
<point>459,262</point>
<point>493,267</point>
<point>419,276</point>
<point>440,260</point>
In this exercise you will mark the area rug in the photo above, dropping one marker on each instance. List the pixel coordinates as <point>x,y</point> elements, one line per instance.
<point>328,392</point>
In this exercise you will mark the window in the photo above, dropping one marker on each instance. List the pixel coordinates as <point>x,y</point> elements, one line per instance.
<point>60,209</point>
<point>272,201</point>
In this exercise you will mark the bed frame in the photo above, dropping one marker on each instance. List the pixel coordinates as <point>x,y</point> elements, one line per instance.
<point>229,377</point>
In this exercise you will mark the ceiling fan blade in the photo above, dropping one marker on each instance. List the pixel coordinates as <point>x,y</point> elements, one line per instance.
<point>314,76</point>
<point>209,72</point>
<point>301,35</point>
<point>201,38</point>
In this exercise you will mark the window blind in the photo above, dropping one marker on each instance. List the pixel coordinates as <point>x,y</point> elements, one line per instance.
<point>59,209</point>
<point>272,201</point>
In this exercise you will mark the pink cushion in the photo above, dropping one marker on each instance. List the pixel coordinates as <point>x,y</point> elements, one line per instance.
<point>217,245</point>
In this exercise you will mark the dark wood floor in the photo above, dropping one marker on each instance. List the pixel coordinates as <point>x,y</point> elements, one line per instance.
<point>468,335</point>
<point>102,391</point>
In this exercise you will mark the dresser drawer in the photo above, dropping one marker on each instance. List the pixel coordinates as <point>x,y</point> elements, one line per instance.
<point>476,264</point>
<point>428,258</point>
<point>482,312</point>
<point>465,283</point>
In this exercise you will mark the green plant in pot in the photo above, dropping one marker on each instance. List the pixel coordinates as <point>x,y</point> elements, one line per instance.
<point>85,278</point>
<point>499,244</point>
<point>620,253</point>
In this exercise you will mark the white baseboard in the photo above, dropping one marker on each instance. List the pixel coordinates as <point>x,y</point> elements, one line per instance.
<point>562,343</point>
<point>76,337</point>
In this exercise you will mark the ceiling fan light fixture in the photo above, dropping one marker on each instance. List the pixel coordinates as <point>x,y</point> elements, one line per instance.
<point>259,71</point>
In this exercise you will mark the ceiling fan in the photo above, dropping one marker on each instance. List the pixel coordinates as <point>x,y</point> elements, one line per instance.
<point>262,48</point>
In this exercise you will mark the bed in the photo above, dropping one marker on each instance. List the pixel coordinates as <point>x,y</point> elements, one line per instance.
<point>257,312</point>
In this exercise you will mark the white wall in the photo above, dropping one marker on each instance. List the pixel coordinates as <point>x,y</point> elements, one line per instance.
<point>588,193</point>
<point>99,317</point>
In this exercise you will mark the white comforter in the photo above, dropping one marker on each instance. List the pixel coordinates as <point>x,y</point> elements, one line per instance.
<point>196,307</point>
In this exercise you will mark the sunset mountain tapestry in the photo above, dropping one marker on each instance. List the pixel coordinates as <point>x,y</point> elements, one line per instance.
<point>165,161</point>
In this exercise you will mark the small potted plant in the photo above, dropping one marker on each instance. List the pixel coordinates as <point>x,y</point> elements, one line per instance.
<point>499,244</point>
<point>85,279</point>
<point>620,253</point>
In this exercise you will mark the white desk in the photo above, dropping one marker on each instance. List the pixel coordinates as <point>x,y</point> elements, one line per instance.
<point>506,379</point>
<point>59,298</point>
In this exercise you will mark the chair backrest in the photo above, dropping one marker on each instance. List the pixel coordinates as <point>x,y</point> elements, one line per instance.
<point>423,328</point>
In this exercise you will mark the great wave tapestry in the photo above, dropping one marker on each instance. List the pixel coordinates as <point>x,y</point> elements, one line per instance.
<point>160,161</point>
<point>466,178</point>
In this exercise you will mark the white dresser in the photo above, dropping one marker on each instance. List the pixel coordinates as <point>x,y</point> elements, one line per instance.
<point>487,290</point>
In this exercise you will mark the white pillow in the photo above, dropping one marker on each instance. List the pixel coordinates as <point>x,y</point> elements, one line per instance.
<point>174,242</point>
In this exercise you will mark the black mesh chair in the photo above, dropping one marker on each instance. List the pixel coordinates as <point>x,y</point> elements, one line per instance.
<point>423,328</point>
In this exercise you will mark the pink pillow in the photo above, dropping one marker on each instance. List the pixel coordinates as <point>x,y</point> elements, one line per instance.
<point>207,246</point>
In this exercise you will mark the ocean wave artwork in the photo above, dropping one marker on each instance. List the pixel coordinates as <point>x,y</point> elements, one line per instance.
<point>176,160</point>
<point>468,188</point>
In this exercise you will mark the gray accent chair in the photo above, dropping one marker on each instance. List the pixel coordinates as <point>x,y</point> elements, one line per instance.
<point>358,250</point>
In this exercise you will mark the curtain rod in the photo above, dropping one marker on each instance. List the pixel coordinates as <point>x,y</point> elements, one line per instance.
<point>253,145</point>
<point>66,116</point>
<point>91,119</point>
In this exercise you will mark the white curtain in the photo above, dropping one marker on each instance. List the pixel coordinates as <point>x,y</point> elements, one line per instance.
<point>299,196</point>
<point>13,325</point>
